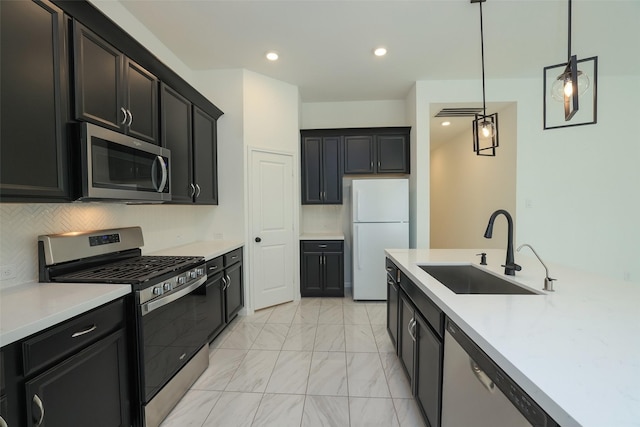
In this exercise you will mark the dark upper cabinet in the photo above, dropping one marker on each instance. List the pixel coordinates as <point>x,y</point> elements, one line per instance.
<point>376,154</point>
<point>34,102</point>
<point>392,153</point>
<point>111,90</point>
<point>190,134</point>
<point>359,154</point>
<point>176,136</point>
<point>205,160</point>
<point>321,170</point>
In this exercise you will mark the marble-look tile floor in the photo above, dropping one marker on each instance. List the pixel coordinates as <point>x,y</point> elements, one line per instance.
<point>314,362</point>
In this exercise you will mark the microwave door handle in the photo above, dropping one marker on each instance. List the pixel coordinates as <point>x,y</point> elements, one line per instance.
<point>163,182</point>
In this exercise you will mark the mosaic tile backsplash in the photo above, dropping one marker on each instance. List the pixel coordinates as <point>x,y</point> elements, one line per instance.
<point>163,226</point>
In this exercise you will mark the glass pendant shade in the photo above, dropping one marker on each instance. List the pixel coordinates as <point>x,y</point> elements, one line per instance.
<point>562,86</point>
<point>485,134</point>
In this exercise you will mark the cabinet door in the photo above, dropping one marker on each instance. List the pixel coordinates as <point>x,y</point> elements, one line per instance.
<point>392,153</point>
<point>234,296</point>
<point>34,102</point>
<point>333,263</point>
<point>358,154</point>
<point>141,98</point>
<point>215,305</point>
<point>176,136</point>
<point>312,171</point>
<point>205,163</point>
<point>311,274</point>
<point>428,371</point>
<point>98,68</point>
<point>405,332</point>
<point>331,170</point>
<point>90,388</point>
<point>392,311</point>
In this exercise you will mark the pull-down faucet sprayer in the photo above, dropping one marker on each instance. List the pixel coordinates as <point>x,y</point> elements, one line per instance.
<point>510,267</point>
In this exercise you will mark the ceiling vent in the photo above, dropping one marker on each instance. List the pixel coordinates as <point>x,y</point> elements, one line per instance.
<point>459,112</point>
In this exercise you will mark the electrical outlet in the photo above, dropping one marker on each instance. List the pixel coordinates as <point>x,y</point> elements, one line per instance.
<point>7,272</point>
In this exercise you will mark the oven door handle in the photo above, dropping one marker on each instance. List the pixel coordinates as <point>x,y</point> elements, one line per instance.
<point>152,305</point>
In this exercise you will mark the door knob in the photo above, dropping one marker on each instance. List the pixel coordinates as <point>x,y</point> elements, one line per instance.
<point>258,240</point>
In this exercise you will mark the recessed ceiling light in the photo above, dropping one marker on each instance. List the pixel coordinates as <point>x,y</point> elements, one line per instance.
<point>445,123</point>
<point>380,51</point>
<point>272,56</point>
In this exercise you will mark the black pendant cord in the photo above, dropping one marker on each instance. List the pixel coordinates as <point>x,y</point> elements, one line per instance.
<point>569,38</point>
<point>484,104</point>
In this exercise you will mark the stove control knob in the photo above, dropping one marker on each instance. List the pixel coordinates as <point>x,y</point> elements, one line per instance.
<point>182,280</point>
<point>157,290</point>
<point>193,274</point>
<point>167,287</point>
<point>200,271</point>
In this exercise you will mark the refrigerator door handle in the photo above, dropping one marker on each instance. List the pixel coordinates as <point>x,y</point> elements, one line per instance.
<point>356,197</point>
<point>357,247</point>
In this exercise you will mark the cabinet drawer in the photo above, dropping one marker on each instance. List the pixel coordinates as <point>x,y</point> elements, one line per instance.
<point>71,336</point>
<point>426,307</point>
<point>232,257</point>
<point>322,246</point>
<point>215,266</point>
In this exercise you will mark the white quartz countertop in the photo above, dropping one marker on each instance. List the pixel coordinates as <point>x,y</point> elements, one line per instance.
<point>322,236</point>
<point>33,307</point>
<point>209,249</point>
<point>575,351</point>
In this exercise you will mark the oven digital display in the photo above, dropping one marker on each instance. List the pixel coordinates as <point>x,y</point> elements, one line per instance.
<point>105,239</point>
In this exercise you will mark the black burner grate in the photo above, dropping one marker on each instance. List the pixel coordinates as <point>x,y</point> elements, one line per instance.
<point>132,270</point>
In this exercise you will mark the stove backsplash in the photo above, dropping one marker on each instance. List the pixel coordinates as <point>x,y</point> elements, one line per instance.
<point>163,226</point>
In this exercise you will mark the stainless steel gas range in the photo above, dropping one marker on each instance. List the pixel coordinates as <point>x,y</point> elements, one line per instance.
<point>168,336</point>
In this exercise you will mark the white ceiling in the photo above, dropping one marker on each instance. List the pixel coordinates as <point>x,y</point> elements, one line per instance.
<point>325,46</point>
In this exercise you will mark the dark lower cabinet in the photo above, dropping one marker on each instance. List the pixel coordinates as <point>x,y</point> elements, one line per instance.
<point>225,291</point>
<point>76,373</point>
<point>322,268</point>
<point>428,371</point>
<point>34,106</point>
<point>393,299</point>
<point>420,345</point>
<point>90,388</point>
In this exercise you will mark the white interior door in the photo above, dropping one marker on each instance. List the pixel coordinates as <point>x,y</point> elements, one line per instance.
<point>271,210</point>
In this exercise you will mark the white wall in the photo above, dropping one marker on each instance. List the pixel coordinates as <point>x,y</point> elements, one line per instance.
<point>581,182</point>
<point>327,115</point>
<point>466,188</point>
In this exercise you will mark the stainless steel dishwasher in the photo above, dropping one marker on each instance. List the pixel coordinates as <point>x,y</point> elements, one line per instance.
<point>476,392</point>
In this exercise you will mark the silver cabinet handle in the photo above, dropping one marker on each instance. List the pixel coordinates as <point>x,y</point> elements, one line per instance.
<point>228,281</point>
<point>130,117</point>
<point>213,268</point>
<point>409,326</point>
<point>197,191</point>
<point>481,376</point>
<point>322,246</point>
<point>234,257</point>
<point>224,281</point>
<point>163,181</point>
<point>86,331</point>
<point>193,190</point>
<point>36,401</point>
<point>371,165</point>
<point>124,116</point>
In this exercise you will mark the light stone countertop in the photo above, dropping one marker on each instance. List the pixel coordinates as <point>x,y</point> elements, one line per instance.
<point>209,249</point>
<point>575,351</point>
<point>322,236</point>
<point>33,307</point>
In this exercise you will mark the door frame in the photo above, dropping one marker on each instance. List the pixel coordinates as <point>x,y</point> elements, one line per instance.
<point>295,207</point>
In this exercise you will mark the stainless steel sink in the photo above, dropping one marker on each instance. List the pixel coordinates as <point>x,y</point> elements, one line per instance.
<point>467,279</point>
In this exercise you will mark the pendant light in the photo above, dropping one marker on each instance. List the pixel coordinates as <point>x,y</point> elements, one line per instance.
<point>485,127</point>
<point>571,83</point>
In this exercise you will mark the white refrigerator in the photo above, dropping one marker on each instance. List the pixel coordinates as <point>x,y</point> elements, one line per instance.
<point>379,221</point>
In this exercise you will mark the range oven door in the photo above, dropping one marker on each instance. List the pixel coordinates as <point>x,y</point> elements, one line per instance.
<point>171,330</point>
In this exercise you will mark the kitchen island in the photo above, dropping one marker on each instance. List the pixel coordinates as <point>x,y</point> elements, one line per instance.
<point>575,351</point>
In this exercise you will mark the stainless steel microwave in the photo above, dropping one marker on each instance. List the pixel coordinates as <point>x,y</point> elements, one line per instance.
<point>121,168</point>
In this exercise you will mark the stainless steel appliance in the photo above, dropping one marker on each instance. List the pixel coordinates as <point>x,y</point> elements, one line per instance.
<point>118,167</point>
<point>170,305</point>
<point>476,392</point>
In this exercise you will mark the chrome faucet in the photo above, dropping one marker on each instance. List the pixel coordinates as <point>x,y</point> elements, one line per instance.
<point>548,281</point>
<point>510,267</point>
